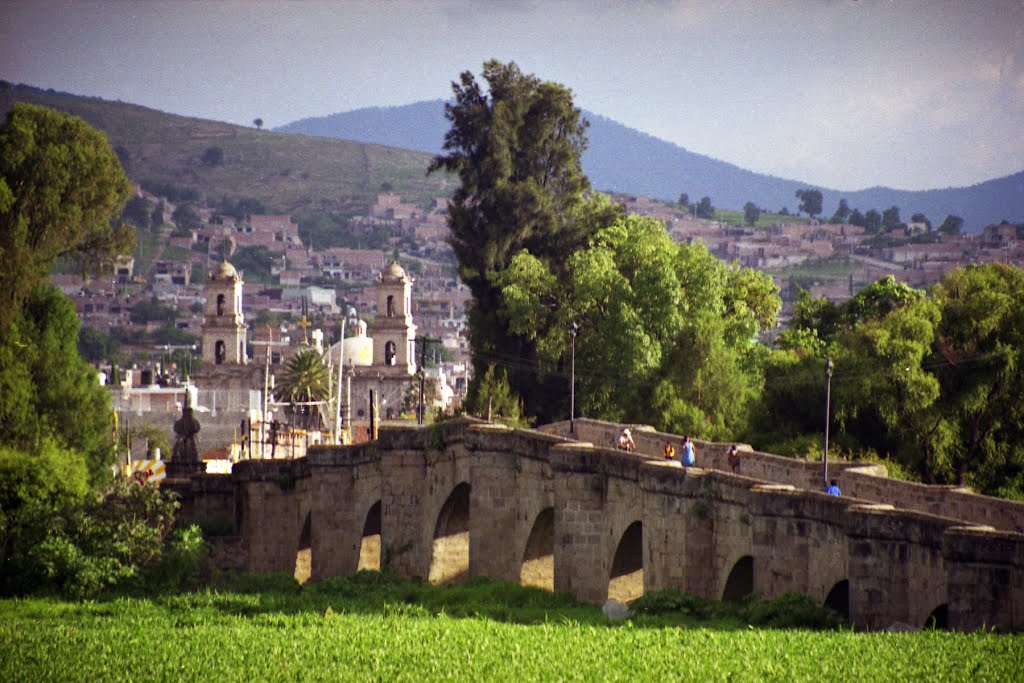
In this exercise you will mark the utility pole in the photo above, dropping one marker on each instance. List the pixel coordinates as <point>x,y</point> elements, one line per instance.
<point>573,330</point>
<point>828,397</point>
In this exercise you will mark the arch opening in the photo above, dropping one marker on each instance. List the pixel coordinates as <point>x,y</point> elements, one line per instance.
<point>449,559</point>
<point>538,568</point>
<point>219,352</point>
<point>939,618</point>
<point>740,583</point>
<point>369,546</point>
<point>839,598</point>
<point>220,305</point>
<point>304,554</point>
<point>626,582</point>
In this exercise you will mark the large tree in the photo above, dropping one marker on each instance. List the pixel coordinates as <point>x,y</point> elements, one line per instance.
<point>515,147</point>
<point>61,187</point>
<point>664,330</point>
<point>810,201</point>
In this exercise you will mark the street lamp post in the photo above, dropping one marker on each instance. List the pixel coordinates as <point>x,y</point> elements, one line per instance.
<point>572,380</point>
<point>828,398</point>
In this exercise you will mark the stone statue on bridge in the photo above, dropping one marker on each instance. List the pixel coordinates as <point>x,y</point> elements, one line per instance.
<point>185,429</point>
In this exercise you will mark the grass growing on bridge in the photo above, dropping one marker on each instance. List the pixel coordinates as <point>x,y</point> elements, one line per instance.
<point>369,627</point>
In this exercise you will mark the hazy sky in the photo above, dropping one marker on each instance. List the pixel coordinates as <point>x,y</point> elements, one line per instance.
<point>841,93</point>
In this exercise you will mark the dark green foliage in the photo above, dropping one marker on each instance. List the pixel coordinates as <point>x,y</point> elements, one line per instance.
<point>810,202</point>
<point>81,547</point>
<point>61,186</point>
<point>791,610</point>
<point>842,213</point>
<point>516,148</point>
<point>212,156</point>
<point>255,262</point>
<point>241,208</point>
<point>751,212</point>
<point>170,192</point>
<point>929,381</point>
<point>145,312</point>
<point>186,218</point>
<point>705,209</point>
<point>97,347</point>
<point>492,398</point>
<point>138,212</point>
<point>952,225</point>
<point>46,390</point>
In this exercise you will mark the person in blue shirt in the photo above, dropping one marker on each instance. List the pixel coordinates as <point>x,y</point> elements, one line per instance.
<point>833,488</point>
<point>689,454</point>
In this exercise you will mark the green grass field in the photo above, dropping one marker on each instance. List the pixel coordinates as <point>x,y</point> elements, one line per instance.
<point>363,630</point>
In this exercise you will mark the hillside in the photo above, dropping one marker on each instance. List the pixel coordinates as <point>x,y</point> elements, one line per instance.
<point>287,173</point>
<point>622,159</point>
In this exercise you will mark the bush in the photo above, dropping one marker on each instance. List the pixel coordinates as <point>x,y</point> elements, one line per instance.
<point>793,610</point>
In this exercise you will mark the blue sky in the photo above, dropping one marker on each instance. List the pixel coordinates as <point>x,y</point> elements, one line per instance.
<point>845,94</point>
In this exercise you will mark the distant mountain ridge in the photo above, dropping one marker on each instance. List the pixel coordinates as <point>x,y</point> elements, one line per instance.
<point>622,159</point>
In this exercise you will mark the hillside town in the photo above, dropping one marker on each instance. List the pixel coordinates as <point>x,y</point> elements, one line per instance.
<point>157,304</point>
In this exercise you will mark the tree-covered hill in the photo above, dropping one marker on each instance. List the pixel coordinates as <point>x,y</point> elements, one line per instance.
<point>286,173</point>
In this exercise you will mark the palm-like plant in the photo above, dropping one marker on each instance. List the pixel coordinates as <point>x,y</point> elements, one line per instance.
<point>305,380</point>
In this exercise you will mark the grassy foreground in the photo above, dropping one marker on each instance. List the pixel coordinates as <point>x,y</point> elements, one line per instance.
<point>356,630</point>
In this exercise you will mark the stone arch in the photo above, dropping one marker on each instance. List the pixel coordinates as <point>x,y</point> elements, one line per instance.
<point>449,560</point>
<point>389,353</point>
<point>939,618</point>
<point>740,583</point>
<point>220,304</point>
<point>219,352</point>
<point>304,554</point>
<point>626,582</point>
<point>369,546</point>
<point>839,598</point>
<point>538,568</point>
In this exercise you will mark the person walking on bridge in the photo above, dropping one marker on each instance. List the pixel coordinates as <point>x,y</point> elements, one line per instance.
<point>689,454</point>
<point>626,442</point>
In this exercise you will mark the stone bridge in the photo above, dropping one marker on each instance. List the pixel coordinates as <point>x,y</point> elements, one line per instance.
<point>466,498</point>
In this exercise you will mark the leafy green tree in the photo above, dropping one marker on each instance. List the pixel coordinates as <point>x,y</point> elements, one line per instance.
<point>97,347</point>
<point>256,262</point>
<point>921,218</point>
<point>751,213</point>
<point>705,209</point>
<point>157,220</point>
<point>979,353</point>
<point>258,123</point>
<point>810,202</point>
<point>891,218</point>
<point>61,186</point>
<point>952,225</point>
<point>842,212</point>
<point>138,212</point>
<point>305,380</point>
<point>857,218</point>
<point>47,391</point>
<point>664,330</point>
<point>872,222</point>
<point>145,312</point>
<point>186,218</point>
<point>493,398</point>
<point>516,150</point>
<point>684,200</point>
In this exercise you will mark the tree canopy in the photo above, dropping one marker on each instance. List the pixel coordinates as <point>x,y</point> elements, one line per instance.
<point>810,202</point>
<point>516,148</point>
<point>61,186</point>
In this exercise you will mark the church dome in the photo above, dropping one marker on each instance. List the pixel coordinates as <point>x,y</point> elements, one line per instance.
<point>394,272</point>
<point>225,271</point>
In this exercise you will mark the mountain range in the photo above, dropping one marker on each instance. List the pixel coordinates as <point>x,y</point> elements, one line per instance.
<point>621,159</point>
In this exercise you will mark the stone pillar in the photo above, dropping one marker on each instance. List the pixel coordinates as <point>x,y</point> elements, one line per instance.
<point>986,578</point>
<point>344,484</point>
<point>780,548</point>
<point>269,512</point>
<point>678,530</point>
<point>406,534</point>
<point>582,555</point>
<point>493,509</point>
